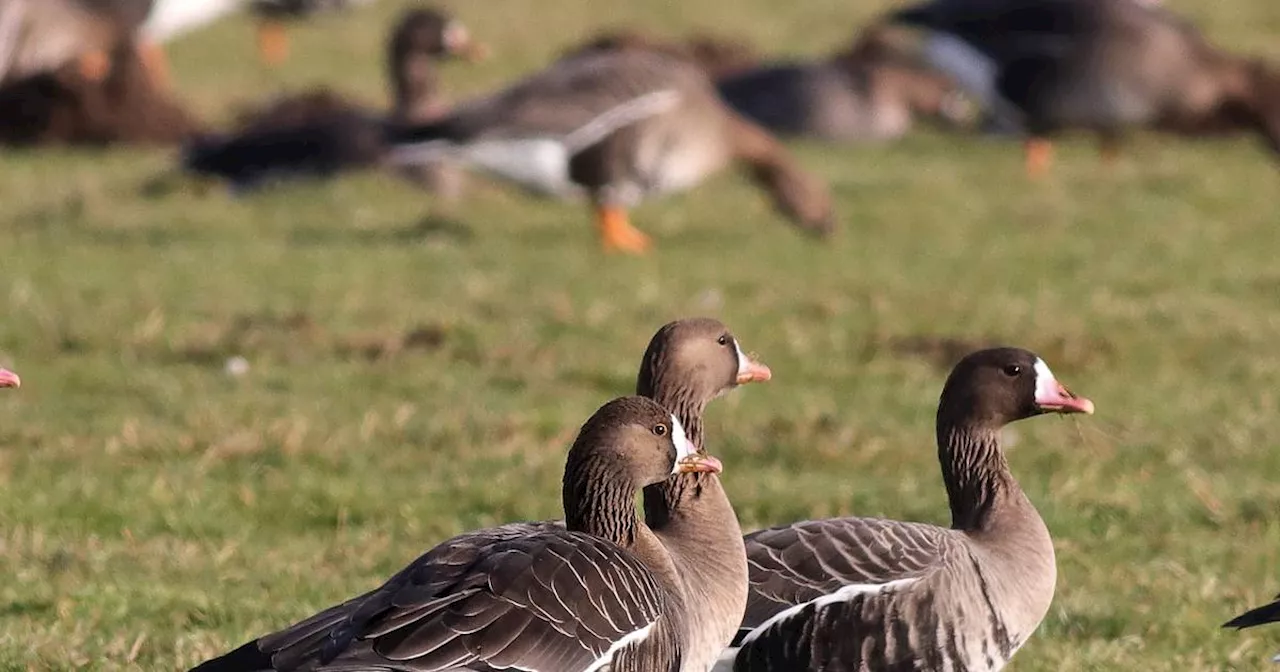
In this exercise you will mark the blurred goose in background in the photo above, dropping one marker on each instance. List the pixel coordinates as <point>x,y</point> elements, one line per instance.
<point>273,38</point>
<point>717,56</point>
<point>63,107</point>
<point>874,594</point>
<point>616,127</point>
<point>872,91</point>
<point>601,593</point>
<point>1102,65</point>
<point>41,36</point>
<point>9,379</point>
<point>320,132</point>
<point>1267,613</point>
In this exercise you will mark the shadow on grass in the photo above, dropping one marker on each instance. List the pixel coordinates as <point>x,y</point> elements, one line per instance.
<point>428,229</point>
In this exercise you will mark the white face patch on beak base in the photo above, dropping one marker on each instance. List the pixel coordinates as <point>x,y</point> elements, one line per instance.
<point>684,448</point>
<point>1046,383</point>
<point>743,363</point>
<point>456,36</point>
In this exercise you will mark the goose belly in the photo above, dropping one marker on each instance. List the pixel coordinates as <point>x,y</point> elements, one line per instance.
<point>540,165</point>
<point>923,634</point>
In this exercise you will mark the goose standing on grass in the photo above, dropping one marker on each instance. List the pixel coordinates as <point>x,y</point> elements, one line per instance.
<point>849,594</point>
<point>869,92</point>
<point>1101,65</point>
<point>9,379</point>
<point>1267,613</point>
<point>604,592</point>
<point>320,133</point>
<point>616,127</point>
<point>40,36</point>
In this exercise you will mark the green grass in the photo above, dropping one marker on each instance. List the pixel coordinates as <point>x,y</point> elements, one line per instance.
<point>412,379</point>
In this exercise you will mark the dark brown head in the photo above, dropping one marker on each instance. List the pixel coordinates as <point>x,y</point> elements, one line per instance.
<point>638,441</point>
<point>9,379</point>
<point>696,358</point>
<point>992,388</point>
<point>424,34</point>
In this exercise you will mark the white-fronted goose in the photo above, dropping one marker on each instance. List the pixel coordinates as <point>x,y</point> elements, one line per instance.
<point>63,107</point>
<point>1267,613</point>
<point>273,39</point>
<point>1102,65</point>
<point>603,592</point>
<point>9,379</point>
<point>39,36</point>
<point>616,127</point>
<point>717,56</point>
<point>321,133</point>
<point>848,594</point>
<point>868,92</point>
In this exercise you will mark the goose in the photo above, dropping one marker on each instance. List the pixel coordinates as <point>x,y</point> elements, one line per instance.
<point>603,592</point>
<point>9,379</point>
<point>1267,613</point>
<point>717,56</point>
<point>687,363</point>
<point>1102,65</point>
<point>62,107</point>
<point>319,132</point>
<point>40,36</point>
<point>865,93</point>
<point>615,127</point>
<point>273,39</point>
<point>872,594</point>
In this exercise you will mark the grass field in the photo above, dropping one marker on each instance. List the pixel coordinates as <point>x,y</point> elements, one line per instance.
<point>413,377</point>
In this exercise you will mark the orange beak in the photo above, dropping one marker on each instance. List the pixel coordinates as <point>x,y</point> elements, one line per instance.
<point>9,379</point>
<point>752,371</point>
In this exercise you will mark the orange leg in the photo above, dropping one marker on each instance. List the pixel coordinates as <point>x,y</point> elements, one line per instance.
<point>1039,156</point>
<point>273,42</point>
<point>156,64</point>
<point>616,232</point>
<point>1109,150</point>
<point>94,65</point>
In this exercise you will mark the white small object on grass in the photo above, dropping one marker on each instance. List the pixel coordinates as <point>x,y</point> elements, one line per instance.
<point>236,366</point>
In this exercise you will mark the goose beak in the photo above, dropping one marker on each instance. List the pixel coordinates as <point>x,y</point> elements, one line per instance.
<point>9,379</point>
<point>458,42</point>
<point>750,370</point>
<point>699,464</point>
<point>1056,398</point>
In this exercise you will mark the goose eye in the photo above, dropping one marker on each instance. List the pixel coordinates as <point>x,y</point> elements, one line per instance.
<point>660,430</point>
<point>723,340</point>
<point>1012,370</point>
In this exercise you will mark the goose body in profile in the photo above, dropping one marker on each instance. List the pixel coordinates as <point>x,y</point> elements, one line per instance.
<point>1099,65</point>
<point>600,593</point>
<point>866,93</point>
<point>852,594</point>
<point>616,127</point>
<point>320,133</point>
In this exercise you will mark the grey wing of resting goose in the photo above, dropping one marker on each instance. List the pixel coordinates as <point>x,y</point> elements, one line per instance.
<point>599,593</point>
<point>616,127</point>
<point>865,593</point>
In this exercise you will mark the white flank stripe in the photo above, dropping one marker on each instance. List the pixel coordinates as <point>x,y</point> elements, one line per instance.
<point>725,662</point>
<point>619,116</point>
<point>844,594</point>
<point>630,638</point>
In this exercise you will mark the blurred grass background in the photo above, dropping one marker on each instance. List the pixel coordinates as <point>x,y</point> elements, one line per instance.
<point>411,377</point>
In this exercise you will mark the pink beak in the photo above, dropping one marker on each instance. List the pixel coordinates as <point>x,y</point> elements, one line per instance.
<point>753,372</point>
<point>1056,398</point>
<point>9,379</point>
